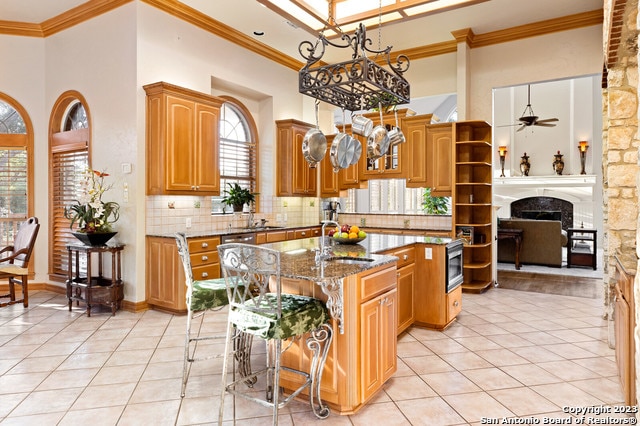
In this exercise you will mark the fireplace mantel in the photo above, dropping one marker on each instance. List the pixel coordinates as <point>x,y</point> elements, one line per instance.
<point>545,181</point>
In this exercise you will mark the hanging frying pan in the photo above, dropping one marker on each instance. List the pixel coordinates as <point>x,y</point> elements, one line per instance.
<point>314,144</point>
<point>357,151</point>
<point>341,153</point>
<point>378,140</point>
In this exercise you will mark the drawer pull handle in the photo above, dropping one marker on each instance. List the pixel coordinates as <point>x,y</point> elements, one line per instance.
<point>205,258</point>
<point>455,303</point>
<point>303,233</point>
<point>205,274</point>
<point>405,257</point>
<point>205,245</point>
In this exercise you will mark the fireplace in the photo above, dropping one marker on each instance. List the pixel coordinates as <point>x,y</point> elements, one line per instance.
<point>544,208</point>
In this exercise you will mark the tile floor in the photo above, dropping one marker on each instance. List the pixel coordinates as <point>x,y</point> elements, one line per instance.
<point>511,353</point>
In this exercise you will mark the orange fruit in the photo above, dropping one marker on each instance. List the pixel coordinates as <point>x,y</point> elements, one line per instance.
<point>355,229</point>
<point>353,235</point>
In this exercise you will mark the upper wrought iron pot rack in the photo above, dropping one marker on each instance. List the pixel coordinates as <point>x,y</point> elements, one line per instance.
<point>358,84</point>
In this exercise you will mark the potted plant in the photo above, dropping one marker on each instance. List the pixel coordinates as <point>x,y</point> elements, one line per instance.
<point>237,196</point>
<point>434,205</point>
<point>93,215</point>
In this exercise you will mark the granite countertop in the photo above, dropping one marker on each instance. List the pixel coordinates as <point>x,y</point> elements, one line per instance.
<point>298,256</point>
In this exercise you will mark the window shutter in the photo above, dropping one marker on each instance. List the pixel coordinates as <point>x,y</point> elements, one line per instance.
<point>13,192</point>
<point>67,168</point>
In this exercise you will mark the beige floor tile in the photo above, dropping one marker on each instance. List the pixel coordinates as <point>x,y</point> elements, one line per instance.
<point>491,378</point>
<point>509,340</point>
<point>568,370</point>
<point>445,346</point>
<point>477,343</point>
<point>501,357</point>
<point>119,374</point>
<point>465,361</point>
<point>85,360</point>
<point>104,416</point>
<point>473,406</point>
<point>47,419</point>
<point>128,357</point>
<point>608,390</point>
<point>65,379</point>
<point>430,411</point>
<point>10,383</point>
<point>428,364</point>
<point>569,351</point>
<point>566,394</point>
<point>49,401</point>
<point>157,390</point>
<point>530,374</point>
<point>9,401</point>
<point>401,388</point>
<point>523,401</point>
<point>95,396</point>
<point>415,348</point>
<point>150,413</point>
<point>536,354</point>
<point>384,413</point>
<point>450,383</point>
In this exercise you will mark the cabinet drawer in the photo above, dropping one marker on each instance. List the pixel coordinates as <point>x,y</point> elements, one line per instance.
<point>454,303</point>
<point>206,272</point>
<point>405,256</point>
<point>274,237</point>
<point>261,238</point>
<point>197,245</point>
<point>316,232</point>
<point>377,282</point>
<point>204,258</point>
<point>302,233</point>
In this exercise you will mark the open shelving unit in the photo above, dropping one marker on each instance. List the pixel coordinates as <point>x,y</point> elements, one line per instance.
<point>472,199</point>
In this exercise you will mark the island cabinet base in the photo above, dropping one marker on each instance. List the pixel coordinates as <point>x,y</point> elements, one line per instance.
<point>364,357</point>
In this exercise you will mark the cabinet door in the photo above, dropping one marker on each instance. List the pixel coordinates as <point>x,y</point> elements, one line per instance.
<point>206,161</point>
<point>406,279</point>
<point>328,177</point>
<point>165,280</point>
<point>304,177</point>
<point>416,157</point>
<point>180,147</point>
<point>440,153</point>
<point>378,326</point>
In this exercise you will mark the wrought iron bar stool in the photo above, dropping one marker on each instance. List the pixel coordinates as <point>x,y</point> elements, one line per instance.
<point>259,307</point>
<point>203,295</point>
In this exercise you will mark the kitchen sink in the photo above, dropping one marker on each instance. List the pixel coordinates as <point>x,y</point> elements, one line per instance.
<point>349,260</point>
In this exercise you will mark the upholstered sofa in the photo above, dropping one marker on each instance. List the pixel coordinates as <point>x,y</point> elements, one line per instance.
<point>542,242</point>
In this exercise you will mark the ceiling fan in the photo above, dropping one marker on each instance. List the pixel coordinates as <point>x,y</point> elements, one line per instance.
<point>528,117</point>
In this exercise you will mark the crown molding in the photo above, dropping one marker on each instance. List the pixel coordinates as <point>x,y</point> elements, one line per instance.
<point>93,8</point>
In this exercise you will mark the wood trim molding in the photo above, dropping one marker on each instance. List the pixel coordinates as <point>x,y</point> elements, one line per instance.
<point>94,8</point>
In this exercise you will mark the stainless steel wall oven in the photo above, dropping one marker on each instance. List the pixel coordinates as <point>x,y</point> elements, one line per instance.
<point>454,267</point>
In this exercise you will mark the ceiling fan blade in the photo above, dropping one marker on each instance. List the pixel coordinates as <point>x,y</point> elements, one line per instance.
<point>548,120</point>
<point>509,125</point>
<point>520,128</point>
<point>544,124</point>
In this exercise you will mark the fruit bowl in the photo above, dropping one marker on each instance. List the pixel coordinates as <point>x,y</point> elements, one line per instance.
<point>348,240</point>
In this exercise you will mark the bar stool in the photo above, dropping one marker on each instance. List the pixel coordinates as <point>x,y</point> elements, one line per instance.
<point>259,307</point>
<point>203,295</point>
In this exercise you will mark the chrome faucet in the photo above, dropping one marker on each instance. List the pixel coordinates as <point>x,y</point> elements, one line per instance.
<point>324,249</point>
<point>250,220</point>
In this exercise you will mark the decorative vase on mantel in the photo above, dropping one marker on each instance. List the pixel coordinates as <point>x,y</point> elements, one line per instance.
<point>558,163</point>
<point>525,165</point>
<point>94,238</point>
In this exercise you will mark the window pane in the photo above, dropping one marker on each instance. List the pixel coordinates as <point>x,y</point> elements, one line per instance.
<point>13,192</point>
<point>10,120</point>
<point>76,118</point>
<point>238,154</point>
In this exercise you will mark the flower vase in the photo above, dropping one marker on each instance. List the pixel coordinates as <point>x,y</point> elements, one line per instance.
<point>525,165</point>
<point>94,238</point>
<point>558,163</point>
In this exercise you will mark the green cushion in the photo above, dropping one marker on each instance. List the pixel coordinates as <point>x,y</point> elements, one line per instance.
<point>300,314</point>
<point>209,294</point>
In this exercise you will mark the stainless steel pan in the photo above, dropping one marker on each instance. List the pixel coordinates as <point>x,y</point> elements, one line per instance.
<point>341,153</point>
<point>378,140</point>
<point>314,146</point>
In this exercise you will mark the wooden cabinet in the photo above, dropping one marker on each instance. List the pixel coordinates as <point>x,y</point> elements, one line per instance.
<point>165,280</point>
<point>624,322</point>
<point>439,159</point>
<point>391,164</point>
<point>328,177</point>
<point>378,334</point>
<point>434,307</point>
<point>472,199</point>
<point>406,274</point>
<point>294,175</point>
<point>182,141</point>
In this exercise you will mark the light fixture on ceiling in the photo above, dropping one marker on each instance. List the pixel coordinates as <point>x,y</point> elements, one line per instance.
<point>356,84</point>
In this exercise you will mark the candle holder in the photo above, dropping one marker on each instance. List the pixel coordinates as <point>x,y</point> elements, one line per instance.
<point>583,146</point>
<point>502,151</point>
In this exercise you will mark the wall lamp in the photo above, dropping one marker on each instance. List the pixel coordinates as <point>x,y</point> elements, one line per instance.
<point>583,146</point>
<point>502,150</point>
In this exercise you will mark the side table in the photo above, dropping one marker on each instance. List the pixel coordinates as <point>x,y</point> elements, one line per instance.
<point>515,235</point>
<point>582,254</point>
<point>95,289</point>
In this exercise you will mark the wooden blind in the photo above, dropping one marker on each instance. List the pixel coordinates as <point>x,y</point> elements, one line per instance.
<point>238,163</point>
<point>14,201</point>
<point>67,167</point>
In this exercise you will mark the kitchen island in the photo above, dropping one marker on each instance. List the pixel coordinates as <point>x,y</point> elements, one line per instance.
<point>362,296</point>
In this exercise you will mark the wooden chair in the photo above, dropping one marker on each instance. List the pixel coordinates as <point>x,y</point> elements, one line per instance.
<point>14,261</point>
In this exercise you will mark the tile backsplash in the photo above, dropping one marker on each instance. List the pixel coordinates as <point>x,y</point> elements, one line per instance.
<point>169,214</point>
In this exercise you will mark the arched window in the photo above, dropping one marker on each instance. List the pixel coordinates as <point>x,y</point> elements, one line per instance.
<point>16,168</point>
<point>238,150</point>
<point>69,138</point>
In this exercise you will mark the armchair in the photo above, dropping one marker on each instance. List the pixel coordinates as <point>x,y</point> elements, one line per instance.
<point>14,261</point>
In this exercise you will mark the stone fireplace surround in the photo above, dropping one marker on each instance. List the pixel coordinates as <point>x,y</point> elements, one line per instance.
<point>540,207</point>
